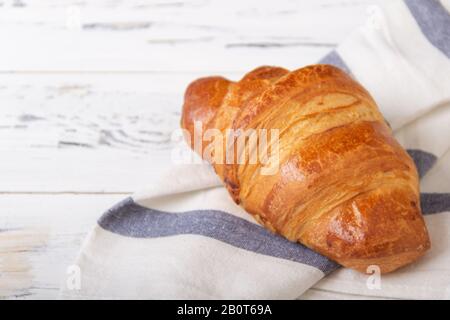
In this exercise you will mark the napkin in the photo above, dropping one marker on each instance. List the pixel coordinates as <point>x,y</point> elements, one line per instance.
<point>184,238</point>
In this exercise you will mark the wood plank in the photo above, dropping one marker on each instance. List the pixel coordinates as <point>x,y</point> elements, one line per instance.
<point>209,36</point>
<point>87,132</point>
<point>91,91</point>
<point>40,236</point>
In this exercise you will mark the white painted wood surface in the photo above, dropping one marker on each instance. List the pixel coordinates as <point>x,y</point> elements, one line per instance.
<point>90,93</point>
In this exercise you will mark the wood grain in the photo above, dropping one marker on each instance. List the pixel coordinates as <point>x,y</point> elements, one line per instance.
<point>91,91</point>
<point>214,36</point>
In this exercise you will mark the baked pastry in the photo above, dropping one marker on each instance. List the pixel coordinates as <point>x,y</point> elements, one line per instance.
<point>343,187</point>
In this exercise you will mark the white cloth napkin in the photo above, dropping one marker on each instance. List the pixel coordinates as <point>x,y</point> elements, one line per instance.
<point>184,238</point>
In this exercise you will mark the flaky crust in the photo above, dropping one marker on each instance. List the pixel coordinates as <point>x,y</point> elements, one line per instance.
<point>344,188</point>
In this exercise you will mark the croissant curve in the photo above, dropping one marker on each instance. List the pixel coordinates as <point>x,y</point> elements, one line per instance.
<point>344,186</point>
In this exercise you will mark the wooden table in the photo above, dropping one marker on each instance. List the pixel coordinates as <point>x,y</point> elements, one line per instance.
<point>90,93</point>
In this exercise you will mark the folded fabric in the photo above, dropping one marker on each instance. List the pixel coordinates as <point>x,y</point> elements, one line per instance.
<point>402,57</point>
<point>184,238</point>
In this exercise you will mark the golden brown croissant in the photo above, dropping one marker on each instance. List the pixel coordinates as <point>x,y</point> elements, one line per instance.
<point>344,186</point>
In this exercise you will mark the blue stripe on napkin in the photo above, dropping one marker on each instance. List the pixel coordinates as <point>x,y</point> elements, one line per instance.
<point>434,21</point>
<point>129,219</point>
<point>132,220</point>
<point>434,202</point>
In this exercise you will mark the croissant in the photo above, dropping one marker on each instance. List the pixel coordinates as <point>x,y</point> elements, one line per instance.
<point>344,186</point>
